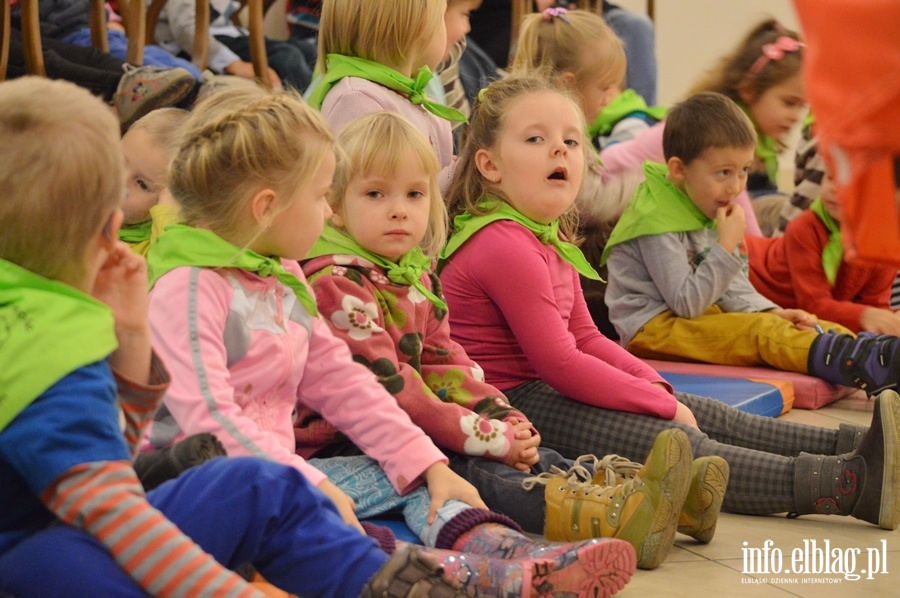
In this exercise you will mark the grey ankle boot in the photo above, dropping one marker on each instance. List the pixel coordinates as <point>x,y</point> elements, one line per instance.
<point>864,483</point>
<point>849,437</point>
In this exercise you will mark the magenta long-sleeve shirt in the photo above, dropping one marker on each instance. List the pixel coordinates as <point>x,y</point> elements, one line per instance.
<point>517,308</point>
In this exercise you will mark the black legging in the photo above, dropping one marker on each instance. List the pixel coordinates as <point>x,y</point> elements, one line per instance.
<point>96,71</point>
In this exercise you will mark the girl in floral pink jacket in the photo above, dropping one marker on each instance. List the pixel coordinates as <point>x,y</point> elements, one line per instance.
<point>374,286</point>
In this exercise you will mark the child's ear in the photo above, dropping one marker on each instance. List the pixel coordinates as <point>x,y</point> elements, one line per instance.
<point>336,218</point>
<point>262,207</point>
<point>746,93</point>
<point>676,169</point>
<point>487,165</point>
<point>568,79</point>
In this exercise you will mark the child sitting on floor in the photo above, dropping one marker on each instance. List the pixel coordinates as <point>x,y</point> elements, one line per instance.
<point>510,278</point>
<point>806,269</point>
<point>254,364</point>
<point>371,274</point>
<point>678,285</point>
<point>148,147</point>
<point>74,349</point>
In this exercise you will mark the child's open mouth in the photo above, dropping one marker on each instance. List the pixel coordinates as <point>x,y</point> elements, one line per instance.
<point>560,174</point>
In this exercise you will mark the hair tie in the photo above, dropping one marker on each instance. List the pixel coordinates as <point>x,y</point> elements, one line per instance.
<point>558,12</point>
<point>481,93</point>
<point>775,51</point>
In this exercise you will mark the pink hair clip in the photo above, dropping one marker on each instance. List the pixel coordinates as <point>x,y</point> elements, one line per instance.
<point>775,51</point>
<point>557,12</point>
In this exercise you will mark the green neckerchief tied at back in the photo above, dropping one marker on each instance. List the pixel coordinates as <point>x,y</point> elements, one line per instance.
<point>48,330</point>
<point>658,207</point>
<point>767,148</point>
<point>465,225</point>
<point>407,271</point>
<point>626,103</point>
<point>340,66</point>
<point>182,245</point>
<point>833,252</point>
<point>136,233</point>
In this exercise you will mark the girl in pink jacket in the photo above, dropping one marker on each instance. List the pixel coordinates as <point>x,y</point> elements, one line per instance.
<point>253,363</point>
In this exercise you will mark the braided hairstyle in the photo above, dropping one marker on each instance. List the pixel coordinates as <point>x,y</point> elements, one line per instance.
<point>238,142</point>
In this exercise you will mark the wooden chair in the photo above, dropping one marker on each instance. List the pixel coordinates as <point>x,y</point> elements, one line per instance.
<point>200,52</point>
<point>256,13</point>
<point>31,33</point>
<point>256,10</point>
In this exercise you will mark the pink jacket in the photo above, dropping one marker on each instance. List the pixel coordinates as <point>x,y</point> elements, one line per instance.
<point>631,154</point>
<point>352,98</point>
<point>402,337</point>
<point>243,354</point>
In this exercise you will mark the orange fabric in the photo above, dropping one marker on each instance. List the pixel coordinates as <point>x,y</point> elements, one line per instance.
<point>852,65</point>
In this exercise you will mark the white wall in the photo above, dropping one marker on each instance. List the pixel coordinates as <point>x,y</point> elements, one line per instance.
<point>692,34</point>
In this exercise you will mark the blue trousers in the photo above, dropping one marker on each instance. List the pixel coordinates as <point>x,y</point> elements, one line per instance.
<point>118,47</point>
<point>363,480</point>
<point>500,486</point>
<point>240,510</point>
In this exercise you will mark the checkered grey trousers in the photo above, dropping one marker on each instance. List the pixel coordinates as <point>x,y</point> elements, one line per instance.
<point>760,451</point>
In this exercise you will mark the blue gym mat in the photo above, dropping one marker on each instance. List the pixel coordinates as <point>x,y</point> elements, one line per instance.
<point>753,397</point>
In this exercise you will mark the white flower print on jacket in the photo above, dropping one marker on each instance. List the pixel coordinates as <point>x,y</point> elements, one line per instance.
<point>357,318</point>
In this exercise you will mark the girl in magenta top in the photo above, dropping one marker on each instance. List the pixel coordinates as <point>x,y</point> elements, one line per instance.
<point>510,278</point>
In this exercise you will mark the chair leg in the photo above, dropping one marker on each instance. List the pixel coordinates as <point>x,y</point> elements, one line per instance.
<point>4,38</point>
<point>31,38</point>
<point>258,42</point>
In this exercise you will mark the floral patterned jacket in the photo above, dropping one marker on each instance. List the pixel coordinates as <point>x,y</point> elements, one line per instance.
<point>404,339</point>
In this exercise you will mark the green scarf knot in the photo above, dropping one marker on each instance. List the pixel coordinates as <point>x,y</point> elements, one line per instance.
<point>340,66</point>
<point>182,245</point>
<point>833,252</point>
<point>657,207</point>
<point>407,271</point>
<point>466,225</point>
<point>136,233</point>
<point>626,103</point>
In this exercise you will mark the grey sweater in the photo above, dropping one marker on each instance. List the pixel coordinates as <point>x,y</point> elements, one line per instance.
<point>685,273</point>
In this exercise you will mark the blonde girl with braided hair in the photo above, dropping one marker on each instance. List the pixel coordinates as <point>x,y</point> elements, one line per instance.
<point>254,364</point>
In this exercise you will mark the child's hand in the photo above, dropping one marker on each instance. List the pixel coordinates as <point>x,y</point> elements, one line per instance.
<point>345,505</point>
<point>802,319</point>
<point>880,321</point>
<point>731,222</point>
<point>121,284</point>
<point>683,415</point>
<point>523,453</point>
<point>444,485</point>
<point>244,69</point>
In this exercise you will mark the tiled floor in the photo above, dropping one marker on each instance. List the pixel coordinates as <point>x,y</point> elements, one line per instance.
<point>716,569</point>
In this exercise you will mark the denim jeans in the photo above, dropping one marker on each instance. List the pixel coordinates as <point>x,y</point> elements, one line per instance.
<point>501,489</point>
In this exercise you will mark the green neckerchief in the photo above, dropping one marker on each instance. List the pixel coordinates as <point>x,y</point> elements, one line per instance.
<point>340,66</point>
<point>182,245</point>
<point>833,252</point>
<point>408,271</point>
<point>47,331</point>
<point>657,207</point>
<point>626,103</point>
<point>136,233</point>
<point>767,148</point>
<point>465,225</point>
